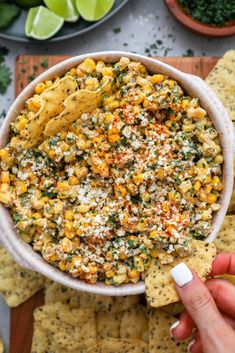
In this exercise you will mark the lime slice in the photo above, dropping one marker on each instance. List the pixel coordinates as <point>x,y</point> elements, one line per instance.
<point>42,24</point>
<point>94,10</point>
<point>28,3</point>
<point>64,8</point>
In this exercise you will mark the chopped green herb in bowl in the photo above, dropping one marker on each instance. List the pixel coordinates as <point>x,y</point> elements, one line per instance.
<point>214,12</point>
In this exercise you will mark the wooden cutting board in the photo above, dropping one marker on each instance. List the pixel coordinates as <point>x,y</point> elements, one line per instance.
<point>26,69</point>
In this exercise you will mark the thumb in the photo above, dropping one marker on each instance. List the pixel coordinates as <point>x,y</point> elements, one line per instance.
<point>197,300</point>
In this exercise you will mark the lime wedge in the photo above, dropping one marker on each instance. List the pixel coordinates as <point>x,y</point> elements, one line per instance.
<point>94,10</point>
<point>42,24</point>
<point>64,8</point>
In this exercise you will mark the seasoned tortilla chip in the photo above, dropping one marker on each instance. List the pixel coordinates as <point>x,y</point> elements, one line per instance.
<point>108,325</point>
<point>173,309</point>
<point>55,292</point>
<point>225,241</point>
<point>1,346</point>
<point>160,288</point>
<point>17,284</point>
<point>52,104</point>
<point>114,345</point>
<point>57,326</point>
<point>83,101</point>
<point>135,323</point>
<point>222,81</point>
<point>160,340</point>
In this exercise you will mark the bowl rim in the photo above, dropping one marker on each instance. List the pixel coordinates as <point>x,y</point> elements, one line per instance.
<point>24,254</point>
<point>197,26</point>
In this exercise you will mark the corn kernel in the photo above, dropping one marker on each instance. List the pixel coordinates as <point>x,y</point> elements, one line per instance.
<point>48,83</point>
<point>69,214</point>
<point>107,71</point>
<point>153,235</point>
<point>114,138</point>
<point>34,104</point>
<point>202,195</point>
<point>4,154</point>
<point>157,79</point>
<point>5,198</point>
<point>73,72</point>
<point>211,198</point>
<point>138,179</point>
<point>197,186</point>
<point>73,180</point>
<point>83,208</point>
<point>219,159</point>
<point>66,245</point>
<point>21,187</point>
<point>88,65</point>
<point>21,124</point>
<point>5,177</point>
<point>62,185</point>
<point>160,174</point>
<point>63,265</point>
<point>40,88</point>
<point>120,191</point>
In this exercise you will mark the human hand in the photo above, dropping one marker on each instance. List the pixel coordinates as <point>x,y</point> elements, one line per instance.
<point>210,307</point>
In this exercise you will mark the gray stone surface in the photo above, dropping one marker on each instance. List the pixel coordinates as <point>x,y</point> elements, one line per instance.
<point>142,26</point>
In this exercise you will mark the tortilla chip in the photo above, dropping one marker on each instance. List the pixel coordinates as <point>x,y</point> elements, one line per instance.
<point>222,81</point>
<point>160,340</point>
<point>135,323</point>
<point>52,104</point>
<point>225,241</point>
<point>1,346</point>
<point>231,207</point>
<point>108,325</point>
<point>57,326</point>
<point>83,101</point>
<point>173,309</point>
<point>114,345</point>
<point>160,289</point>
<point>17,284</point>
<point>56,293</point>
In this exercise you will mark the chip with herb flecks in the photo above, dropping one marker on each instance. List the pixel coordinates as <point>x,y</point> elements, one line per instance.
<point>160,289</point>
<point>160,340</point>
<point>108,325</point>
<point>135,323</point>
<point>54,292</point>
<point>17,284</point>
<point>51,104</point>
<point>225,241</point>
<point>222,80</point>
<point>83,101</point>
<point>58,326</point>
<point>114,345</point>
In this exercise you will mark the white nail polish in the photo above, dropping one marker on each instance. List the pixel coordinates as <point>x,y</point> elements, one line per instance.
<point>190,346</point>
<point>173,327</point>
<point>181,274</point>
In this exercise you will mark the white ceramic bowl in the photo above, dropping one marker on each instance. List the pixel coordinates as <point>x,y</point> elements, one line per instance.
<point>195,86</point>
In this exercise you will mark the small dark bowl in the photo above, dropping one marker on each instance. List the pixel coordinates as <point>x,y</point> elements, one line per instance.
<point>197,26</point>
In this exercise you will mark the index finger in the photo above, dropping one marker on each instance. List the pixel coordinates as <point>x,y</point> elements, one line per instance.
<point>223,263</point>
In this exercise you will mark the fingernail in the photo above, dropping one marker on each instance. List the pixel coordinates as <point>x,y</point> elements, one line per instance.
<point>181,274</point>
<point>173,327</point>
<point>190,346</point>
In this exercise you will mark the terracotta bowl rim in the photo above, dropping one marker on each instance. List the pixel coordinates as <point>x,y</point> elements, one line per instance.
<point>197,26</point>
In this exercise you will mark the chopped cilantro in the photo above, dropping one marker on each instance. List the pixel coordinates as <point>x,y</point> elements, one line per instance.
<point>17,217</point>
<point>31,77</point>
<point>44,63</point>
<point>117,30</point>
<point>5,78</point>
